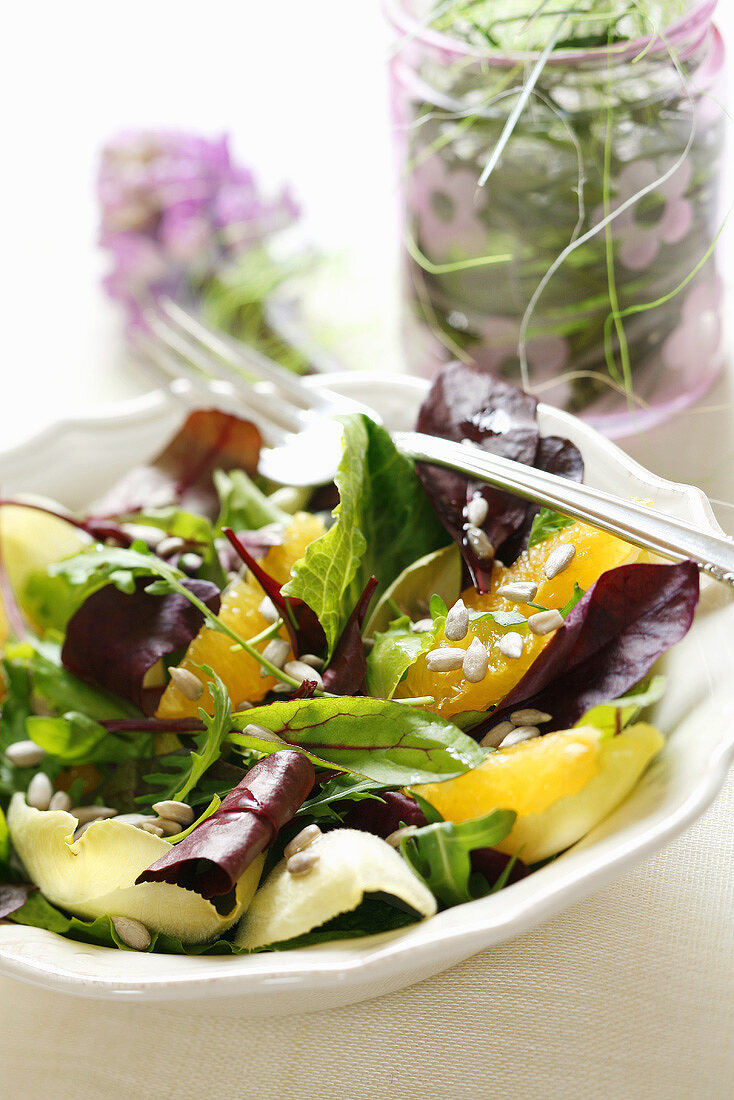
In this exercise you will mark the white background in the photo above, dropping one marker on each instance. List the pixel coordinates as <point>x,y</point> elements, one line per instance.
<point>301,88</point>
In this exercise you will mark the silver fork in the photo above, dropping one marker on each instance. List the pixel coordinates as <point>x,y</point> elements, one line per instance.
<point>304,440</point>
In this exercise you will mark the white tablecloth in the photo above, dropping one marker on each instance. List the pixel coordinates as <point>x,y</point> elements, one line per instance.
<point>627,995</point>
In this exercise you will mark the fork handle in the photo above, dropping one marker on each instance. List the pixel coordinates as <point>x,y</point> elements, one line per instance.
<point>668,536</point>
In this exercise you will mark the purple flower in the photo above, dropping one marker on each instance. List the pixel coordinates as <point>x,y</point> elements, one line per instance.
<point>175,210</point>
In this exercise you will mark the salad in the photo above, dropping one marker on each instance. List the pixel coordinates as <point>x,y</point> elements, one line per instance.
<point>239,717</point>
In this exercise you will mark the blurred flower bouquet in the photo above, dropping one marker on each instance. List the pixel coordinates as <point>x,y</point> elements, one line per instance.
<point>180,218</point>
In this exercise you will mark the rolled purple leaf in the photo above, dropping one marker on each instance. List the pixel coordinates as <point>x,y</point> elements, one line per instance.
<point>211,859</point>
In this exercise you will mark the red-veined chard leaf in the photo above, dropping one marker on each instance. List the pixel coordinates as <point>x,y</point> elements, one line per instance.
<point>608,643</point>
<point>183,472</point>
<point>217,853</point>
<point>389,742</point>
<point>115,637</point>
<point>467,403</point>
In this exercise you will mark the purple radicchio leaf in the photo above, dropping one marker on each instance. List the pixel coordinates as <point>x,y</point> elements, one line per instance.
<point>13,896</point>
<point>347,669</point>
<point>218,852</point>
<point>608,643</point>
<point>466,403</point>
<point>182,473</point>
<point>115,637</point>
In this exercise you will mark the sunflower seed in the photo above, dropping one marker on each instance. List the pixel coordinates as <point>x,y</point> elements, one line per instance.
<point>172,544</point>
<point>40,791</point>
<point>277,652</point>
<point>251,730</point>
<point>24,754</point>
<point>394,838</point>
<point>544,622</point>
<point>189,685</point>
<point>496,735</point>
<point>476,662</point>
<point>511,644</point>
<point>151,827</point>
<point>457,622</point>
<point>302,840</point>
<point>519,591</point>
<point>190,562</point>
<point>169,826</point>
<point>180,812</point>
<point>132,933</point>
<point>268,610</point>
<point>134,819</point>
<point>283,689</point>
<point>477,510</point>
<point>86,814</point>
<point>312,660</point>
<point>519,733</point>
<point>479,544</point>
<point>243,705</point>
<point>60,801</point>
<point>529,717</point>
<point>445,660</point>
<point>559,559</point>
<point>302,862</point>
<point>299,671</point>
<point>421,626</point>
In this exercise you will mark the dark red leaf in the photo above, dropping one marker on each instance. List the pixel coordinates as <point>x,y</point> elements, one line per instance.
<point>182,474</point>
<point>218,852</point>
<point>383,818</point>
<point>13,896</point>
<point>608,643</point>
<point>307,636</point>
<point>490,864</point>
<point>468,403</point>
<point>557,456</point>
<point>348,666</point>
<point>115,637</point>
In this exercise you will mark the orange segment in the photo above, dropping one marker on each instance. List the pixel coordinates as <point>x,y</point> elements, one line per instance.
<point>240,602</point>
<point>596,552</point>
<point>560,786</point>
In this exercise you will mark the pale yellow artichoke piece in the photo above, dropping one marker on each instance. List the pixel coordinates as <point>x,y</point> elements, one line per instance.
<point>95,875</point>
<point>351,864</point>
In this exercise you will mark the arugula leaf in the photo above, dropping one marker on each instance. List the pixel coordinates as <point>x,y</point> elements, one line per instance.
<point>218,725</point>
<point>340,788</point>
<point>242,505</point>
<point>440,853</point>
<point>382,740</point>
<point>546,524</point>
<point>392,655</point>
<point>437,607</point>
<point>121,566</point>
<point>383,523</point>
<point>211,809</point>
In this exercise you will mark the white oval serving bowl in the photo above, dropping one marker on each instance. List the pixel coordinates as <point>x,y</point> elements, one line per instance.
<point>74,461</point>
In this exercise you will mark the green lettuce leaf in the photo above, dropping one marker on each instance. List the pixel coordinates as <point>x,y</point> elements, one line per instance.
<point>75,738</point>
<point>438,573</point>
<point>392,655</point>
<point>243,507</point>
<point>383,523</point>
<point>611,718</point>
<point>385,741</point>
<point>340,788</point>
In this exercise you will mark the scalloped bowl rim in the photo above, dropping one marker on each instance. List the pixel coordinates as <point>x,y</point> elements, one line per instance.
<point>286,982</point>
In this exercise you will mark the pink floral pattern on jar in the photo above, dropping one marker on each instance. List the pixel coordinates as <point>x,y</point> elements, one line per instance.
<point>697,340</point>
<point>446,205</point>
<point>640,241</point>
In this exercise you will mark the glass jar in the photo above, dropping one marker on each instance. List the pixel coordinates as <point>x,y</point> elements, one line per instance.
<point>621,322</point>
